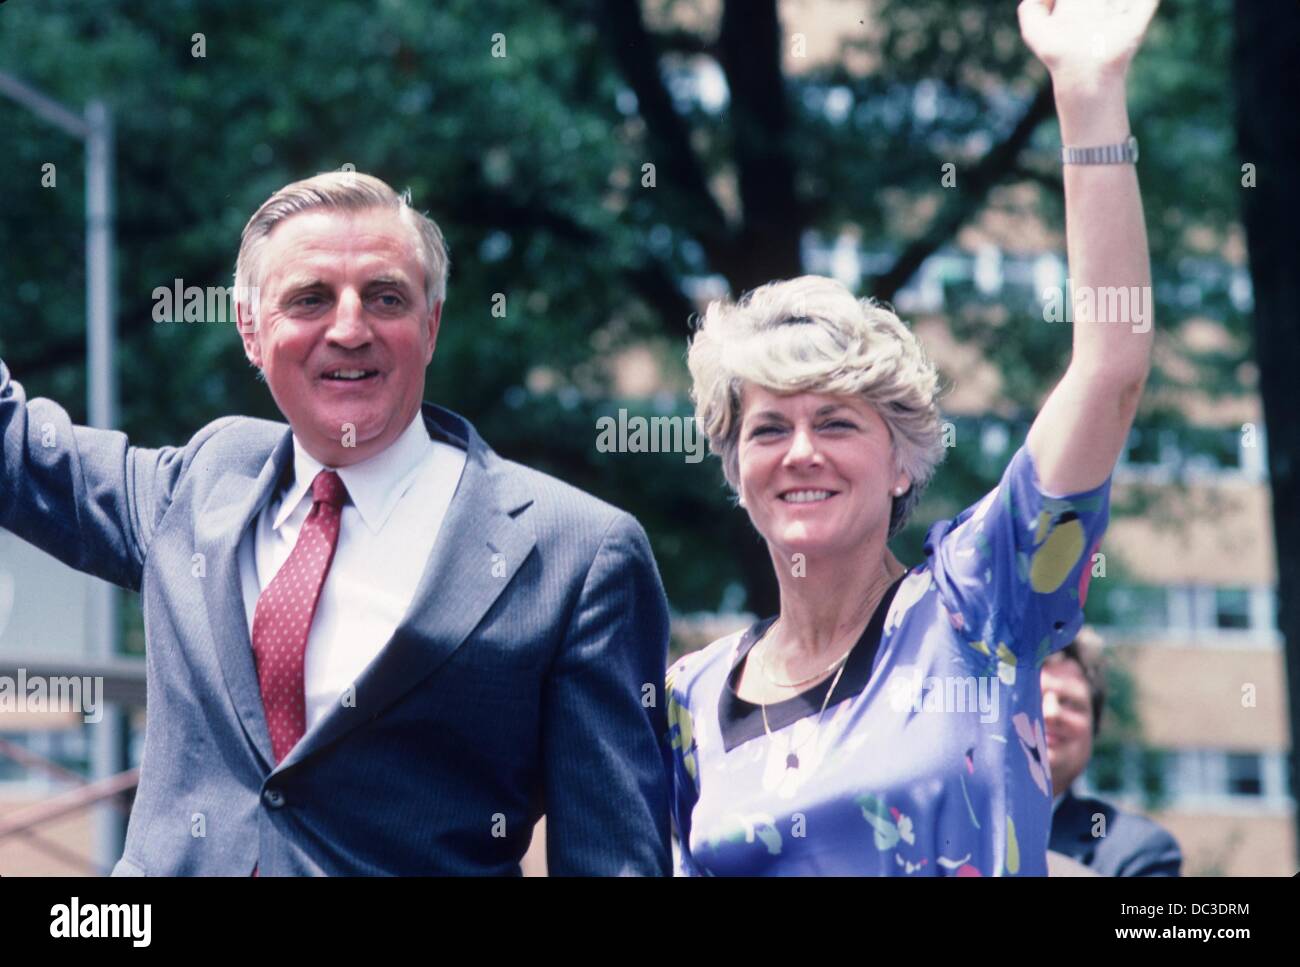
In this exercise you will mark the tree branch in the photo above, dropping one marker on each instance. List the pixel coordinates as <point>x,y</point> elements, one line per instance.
<point>652,280</point>
<point>1049,181</point>
<point>773,222</point>
<point>637,60</point>
<point>974,187</point>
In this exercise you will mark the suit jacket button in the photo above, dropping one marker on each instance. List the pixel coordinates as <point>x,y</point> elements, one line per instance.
<point>273,798</point>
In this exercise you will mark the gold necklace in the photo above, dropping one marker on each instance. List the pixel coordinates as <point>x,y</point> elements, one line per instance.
<point>762,659</point>
<point>762,666</point>
<point>792,759</point>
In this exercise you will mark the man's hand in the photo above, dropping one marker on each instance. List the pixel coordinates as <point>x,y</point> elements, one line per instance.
<point>1085,43</point>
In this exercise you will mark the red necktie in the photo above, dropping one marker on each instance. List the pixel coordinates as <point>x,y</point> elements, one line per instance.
<point>284,612</point>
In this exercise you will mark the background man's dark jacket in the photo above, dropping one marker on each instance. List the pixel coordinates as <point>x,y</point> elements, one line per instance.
<point>1132,845</point>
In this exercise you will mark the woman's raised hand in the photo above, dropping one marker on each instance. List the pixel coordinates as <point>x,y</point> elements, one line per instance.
<point>1085,43</point>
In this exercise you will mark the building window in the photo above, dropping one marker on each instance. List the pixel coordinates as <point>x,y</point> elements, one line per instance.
<point>1146,447</point>
<point>1245,774</point>
<point>1134,607</point>
<point>11,771</point>
<point>1106,769</point>
<point>1153,770</point>
<point>1197,452</point>
<point>1214,780</point>
<point>67,748</point>
<point>1232,608</point>
<point>1188,614</point>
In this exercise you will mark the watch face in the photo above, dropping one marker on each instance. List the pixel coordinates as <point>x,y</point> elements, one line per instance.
<point>1133,147</point>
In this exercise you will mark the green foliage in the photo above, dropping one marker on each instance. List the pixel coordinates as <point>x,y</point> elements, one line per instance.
<point>532,165</point>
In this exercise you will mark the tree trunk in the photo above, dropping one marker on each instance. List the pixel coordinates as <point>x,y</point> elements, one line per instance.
<point>1267,91</point>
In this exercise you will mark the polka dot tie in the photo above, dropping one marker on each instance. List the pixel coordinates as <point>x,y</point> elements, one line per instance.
<point>284,611</point>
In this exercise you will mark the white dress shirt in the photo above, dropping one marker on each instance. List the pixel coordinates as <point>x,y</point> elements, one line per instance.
<point>398,500</point>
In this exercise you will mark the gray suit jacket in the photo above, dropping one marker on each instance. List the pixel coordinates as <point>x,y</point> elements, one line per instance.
<point>525,678</point>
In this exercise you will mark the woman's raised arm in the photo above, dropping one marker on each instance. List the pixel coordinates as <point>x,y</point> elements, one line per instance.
<point>1087,46</point>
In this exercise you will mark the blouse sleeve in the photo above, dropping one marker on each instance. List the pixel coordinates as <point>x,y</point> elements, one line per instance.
<point>684,771</point>
<point>1013,569</point>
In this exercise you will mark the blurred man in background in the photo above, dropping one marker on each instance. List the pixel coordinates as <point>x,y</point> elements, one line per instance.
<point>1091,831</point>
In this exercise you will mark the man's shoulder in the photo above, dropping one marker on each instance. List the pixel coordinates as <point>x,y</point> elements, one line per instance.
<point>1128,839</point>
<point>558,513</point>
<point>1077,805</point>
<point>547,497</point>
<point>1093,807</point>
<point>236,441</point>
<point>557,504</point>
<point>229,431</point>
<point>1134,825</point>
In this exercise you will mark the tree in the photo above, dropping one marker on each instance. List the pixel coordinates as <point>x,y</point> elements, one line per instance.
<point>1267,90</point>
<point>533,163</point>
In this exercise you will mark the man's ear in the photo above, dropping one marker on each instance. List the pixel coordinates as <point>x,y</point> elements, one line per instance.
<point>434,322</point>
<point>247,325</point>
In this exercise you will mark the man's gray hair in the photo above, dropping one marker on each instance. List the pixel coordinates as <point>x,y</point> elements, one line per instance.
<point>343,191</point>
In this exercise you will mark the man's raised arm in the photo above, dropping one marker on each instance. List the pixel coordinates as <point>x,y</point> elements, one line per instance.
<point>83,495</point>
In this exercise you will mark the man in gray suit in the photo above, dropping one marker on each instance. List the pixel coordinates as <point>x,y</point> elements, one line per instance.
<point>373,645</point>
<point>1092,831</point>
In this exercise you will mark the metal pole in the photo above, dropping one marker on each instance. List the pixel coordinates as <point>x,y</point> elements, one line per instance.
<point>100,325</point>
<point>108,740</point>
<point>45,108</point>
<point>95,128</point>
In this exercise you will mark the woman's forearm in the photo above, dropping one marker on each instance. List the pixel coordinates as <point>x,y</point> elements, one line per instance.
<point>1109,262</point>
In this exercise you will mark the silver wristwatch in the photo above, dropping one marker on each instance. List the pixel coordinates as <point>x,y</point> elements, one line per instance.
<point>1126,152</point>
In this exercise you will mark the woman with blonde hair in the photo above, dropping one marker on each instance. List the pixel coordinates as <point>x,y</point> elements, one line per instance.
<point>888,719</point>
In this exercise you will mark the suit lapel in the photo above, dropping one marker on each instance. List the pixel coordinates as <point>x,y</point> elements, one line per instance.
<point>480,547</point>
<point>221,525</point>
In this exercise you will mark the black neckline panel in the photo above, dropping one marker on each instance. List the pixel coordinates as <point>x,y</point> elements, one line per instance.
<point>741,720</point>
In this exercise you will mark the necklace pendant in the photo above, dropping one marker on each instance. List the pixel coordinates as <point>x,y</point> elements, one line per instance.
<point>792,761</point>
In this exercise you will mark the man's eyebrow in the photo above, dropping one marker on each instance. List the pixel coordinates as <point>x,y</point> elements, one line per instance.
<point>398,280</point>
<point>296,283</point>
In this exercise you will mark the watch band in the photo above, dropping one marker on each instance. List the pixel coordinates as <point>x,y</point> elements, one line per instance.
<point>1126,152</point>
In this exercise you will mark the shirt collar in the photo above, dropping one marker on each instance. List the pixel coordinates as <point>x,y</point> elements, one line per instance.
<point>375,485</point>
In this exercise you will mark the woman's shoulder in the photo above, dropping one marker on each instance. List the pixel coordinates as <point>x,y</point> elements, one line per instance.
<point>912,587</point>
<point>708,662</point>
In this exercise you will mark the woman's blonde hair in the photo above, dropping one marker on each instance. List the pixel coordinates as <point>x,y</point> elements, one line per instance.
<point>811,334</point>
